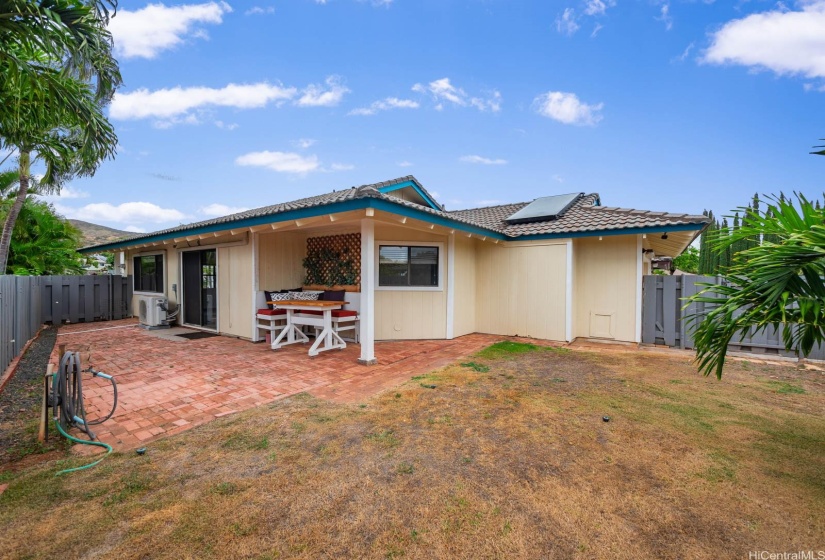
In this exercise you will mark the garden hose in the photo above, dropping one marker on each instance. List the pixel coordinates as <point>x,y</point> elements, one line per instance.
<point>67,404</point>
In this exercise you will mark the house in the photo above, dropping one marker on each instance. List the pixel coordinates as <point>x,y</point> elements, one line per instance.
<point>557,268</point>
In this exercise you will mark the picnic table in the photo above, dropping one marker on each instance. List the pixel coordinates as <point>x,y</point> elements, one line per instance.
<point>327,339</point>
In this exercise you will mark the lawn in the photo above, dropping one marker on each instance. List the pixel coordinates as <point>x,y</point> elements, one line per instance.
<point>503,455</point>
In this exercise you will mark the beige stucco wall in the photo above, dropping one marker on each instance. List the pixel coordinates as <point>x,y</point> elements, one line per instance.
<point>235,296</point>
<point>464,321</point>
<point>605,287</point>
<point>521,289</point>
<point>410,314</point>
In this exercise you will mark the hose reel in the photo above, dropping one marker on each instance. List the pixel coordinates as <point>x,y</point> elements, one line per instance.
<point>66,401</point>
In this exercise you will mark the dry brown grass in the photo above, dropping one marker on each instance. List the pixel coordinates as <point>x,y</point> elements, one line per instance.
<point>511,462</point>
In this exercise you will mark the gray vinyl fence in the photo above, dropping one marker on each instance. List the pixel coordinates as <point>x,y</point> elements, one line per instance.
<point>26,302</point>
<point>664,321</point>
<point>20,314</point>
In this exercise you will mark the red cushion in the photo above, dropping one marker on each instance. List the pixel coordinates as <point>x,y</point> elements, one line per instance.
<point>335,312</point>
<point>344,313</point>
<point>272,312</point>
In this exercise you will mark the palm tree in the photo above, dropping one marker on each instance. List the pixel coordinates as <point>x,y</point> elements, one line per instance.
<point>42,242</point>
<point>777,284</point>
<point>58,72</point>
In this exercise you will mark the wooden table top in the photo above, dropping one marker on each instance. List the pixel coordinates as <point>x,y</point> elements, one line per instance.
<point>308,303</point>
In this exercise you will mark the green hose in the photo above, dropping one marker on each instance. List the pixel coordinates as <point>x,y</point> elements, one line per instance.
<point>85,441</point>
<point>67,403</point>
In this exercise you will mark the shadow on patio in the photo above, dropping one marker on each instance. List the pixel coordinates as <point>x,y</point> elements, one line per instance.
<point>169,385</point>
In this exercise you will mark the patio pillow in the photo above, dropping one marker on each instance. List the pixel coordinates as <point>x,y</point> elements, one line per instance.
<point>333,295</point>
<point>303,296</point>
<point>275,296</point>
<point>298,289</point>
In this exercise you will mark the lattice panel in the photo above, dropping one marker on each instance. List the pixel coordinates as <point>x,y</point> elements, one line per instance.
<point>332,250</point>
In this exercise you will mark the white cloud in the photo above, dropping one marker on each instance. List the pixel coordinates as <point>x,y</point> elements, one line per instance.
<point>66,193</point>
<point>226,126</point>
<point>596,28</point>
<point>146,32</point>
<point>685,53</point>
<point>482,160</point>
<point>404,164</point>
<point>567,108</point>
<point>320,96</point>
<point>597,7</point>
<point>258,10</point>
<point>665,16</point>
<point>786,42</point>
<point>134,229</point>
<point>283,162</point>
<point>566,22</point>
<point>489,202</point>
<point>127,212</point>
<point>558,178</point>
<point>493,103</point>
<point>217,209</point>
<point>341,167</point>
<point>303,143</point>
<point>171,103</point>
<point>444,91</point>
<point>385,105</point>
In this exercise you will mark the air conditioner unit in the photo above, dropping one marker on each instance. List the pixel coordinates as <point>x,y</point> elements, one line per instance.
<point>152,311</point>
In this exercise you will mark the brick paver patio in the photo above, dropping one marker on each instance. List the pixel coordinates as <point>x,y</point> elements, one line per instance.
<point>168,386</point>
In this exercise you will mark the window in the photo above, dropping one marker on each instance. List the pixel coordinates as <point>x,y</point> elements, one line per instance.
<point>149,273</point>
<point>408,265</point>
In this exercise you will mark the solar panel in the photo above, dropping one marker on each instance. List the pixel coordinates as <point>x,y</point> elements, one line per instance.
<point>544,209</point>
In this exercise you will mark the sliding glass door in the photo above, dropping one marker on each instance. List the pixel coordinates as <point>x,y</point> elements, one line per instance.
<point>200,293</point>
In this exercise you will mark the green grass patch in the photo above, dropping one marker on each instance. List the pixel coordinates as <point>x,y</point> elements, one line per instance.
<point>505,349</point>
<point>405,468</point>
<point>131,484</point>
<point>690,416</point>
<point>225,488</point>
<point>784,388</point>
<point>244,441</point>
<point>475,366</point>
<point>386,438</point>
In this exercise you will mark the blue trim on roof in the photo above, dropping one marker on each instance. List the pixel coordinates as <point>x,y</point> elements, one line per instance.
<point>297,214</point>
<point>404,184</point>
<point>378,204</point>
<point>606,232</point>
<point>425,216</point>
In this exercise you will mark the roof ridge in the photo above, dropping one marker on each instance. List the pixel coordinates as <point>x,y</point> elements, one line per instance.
<point>486,207</point>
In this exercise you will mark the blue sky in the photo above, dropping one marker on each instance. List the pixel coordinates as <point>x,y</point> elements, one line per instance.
<point>677,106</point>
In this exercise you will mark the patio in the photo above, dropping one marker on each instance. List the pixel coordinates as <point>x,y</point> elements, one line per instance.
<point>169,385</point>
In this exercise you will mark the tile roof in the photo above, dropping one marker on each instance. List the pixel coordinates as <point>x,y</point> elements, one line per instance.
<point>583,216</point>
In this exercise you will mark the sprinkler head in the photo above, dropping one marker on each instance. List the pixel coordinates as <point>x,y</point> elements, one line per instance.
<point>606,418</point>
<point>140,451</point>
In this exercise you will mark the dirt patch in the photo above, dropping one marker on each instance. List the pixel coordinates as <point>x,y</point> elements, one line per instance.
<point>507,456</point>
<point>20,402</point>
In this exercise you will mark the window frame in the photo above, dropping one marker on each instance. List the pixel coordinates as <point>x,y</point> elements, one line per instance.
<point>441,259</point>
<point>162,255</point>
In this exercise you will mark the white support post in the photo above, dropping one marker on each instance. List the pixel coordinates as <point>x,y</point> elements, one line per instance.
<point>568,311</point>
<point>639,278</point>
<point>255,337</point>
<point>367,312</point>
<point>451,287</point>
